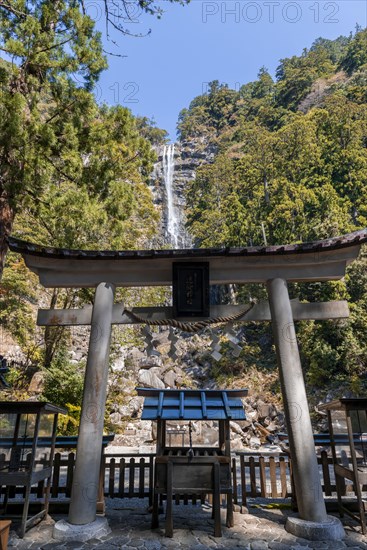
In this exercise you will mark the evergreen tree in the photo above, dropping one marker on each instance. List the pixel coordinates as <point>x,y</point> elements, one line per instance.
<point>52,57</point>
<point>283,175</point>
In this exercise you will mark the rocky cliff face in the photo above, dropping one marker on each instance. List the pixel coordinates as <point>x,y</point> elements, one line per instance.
<point>188,156</point>
<point>192,369</point>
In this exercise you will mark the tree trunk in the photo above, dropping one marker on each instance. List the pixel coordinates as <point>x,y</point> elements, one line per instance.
<point>6,225</point>
<point>51,334</point>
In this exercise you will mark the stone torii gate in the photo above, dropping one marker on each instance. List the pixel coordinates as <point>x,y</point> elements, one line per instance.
<point>275,266</point>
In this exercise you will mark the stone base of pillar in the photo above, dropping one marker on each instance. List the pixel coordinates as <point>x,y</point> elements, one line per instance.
<point>332,529</point>
<point>65,531</point>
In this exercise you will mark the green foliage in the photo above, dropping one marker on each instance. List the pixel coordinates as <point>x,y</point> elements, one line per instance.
<point>208,114</point>
<point>148,129</point>
<point>68,424</point>
<point>116,212</point>
<point>284,175</point>
<point>356,54</point>
<point>281,184</point>
<point>41,106</point>
<point>335,48</point>
<point>295,75</point>
<point>17,294</point>
<point>53,133</point>
<point>64,382</point>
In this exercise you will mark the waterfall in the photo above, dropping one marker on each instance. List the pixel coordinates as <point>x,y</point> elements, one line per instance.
<point>173,222</point>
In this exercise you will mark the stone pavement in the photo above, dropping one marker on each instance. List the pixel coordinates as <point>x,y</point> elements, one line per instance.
<point>261,529</point>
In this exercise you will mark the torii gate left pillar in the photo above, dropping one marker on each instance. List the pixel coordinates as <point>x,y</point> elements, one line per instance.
<point>82,511</point>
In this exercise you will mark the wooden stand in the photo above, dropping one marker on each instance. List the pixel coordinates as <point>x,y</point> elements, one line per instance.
<point>192,472</point>
<point>356,471</point>
<point>177,473</point>
<point>15,470</point>
<point>196,476</point>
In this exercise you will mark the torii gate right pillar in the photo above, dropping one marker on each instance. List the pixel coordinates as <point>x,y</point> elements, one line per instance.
<point>313,521</point>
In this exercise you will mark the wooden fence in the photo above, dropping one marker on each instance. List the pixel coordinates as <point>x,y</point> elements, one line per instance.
<point>131,476</point>
<point>128,476</point>
<point>262,476</point>
<point>271,476</point>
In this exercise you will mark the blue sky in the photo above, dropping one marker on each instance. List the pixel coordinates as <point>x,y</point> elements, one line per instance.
<point>207,40</point>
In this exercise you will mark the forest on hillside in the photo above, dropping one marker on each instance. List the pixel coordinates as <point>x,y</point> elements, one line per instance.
<point>290,166</point>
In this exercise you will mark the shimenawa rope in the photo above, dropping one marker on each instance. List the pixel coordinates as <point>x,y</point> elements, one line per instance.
<point>187,326</point>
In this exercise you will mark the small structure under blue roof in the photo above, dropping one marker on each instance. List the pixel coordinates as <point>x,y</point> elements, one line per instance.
<point>194,471</point>
<point>192,404</point>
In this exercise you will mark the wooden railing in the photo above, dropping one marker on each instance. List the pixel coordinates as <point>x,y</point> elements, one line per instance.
<point>131,476</point>
<point>271,476</point>
<point>62,475</point>
<point>261,476</point>
<point>128,475</point>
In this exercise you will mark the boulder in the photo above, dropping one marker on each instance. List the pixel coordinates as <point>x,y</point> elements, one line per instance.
<point>37,383</point>
<point>179,371</point>
<point>134,357</point>
<point>149,379</point>
<point>265,409</point>
<point>161,339</point>
<point>77,355</point>
<point>254,442</point>
<point>157,370</point>
<point>245,424</point>
<point>149,362</point>
<point>119,364</point>
<point>180,381</point>
<point>236,428</point>
<point>236,444</point>
<point>115,418</point>
<point>252,415</point>
<point>164,368</point>
<point>124,411</point>
<point>135,404</point>
<point>170,379</point>
<point>132,409</point>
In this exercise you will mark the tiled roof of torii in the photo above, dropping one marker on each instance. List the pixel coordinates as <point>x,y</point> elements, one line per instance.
<point>324,260</point>
<point>343,241</point>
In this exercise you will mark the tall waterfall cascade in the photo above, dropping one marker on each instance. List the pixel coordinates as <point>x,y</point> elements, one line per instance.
<point>174,169</point>
<point>168,167</point>
<point>174,230</point>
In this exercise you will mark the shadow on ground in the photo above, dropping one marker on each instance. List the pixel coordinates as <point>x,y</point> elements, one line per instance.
<point>260,529</point>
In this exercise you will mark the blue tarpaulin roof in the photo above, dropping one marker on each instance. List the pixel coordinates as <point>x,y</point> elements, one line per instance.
<point>192,404</point>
